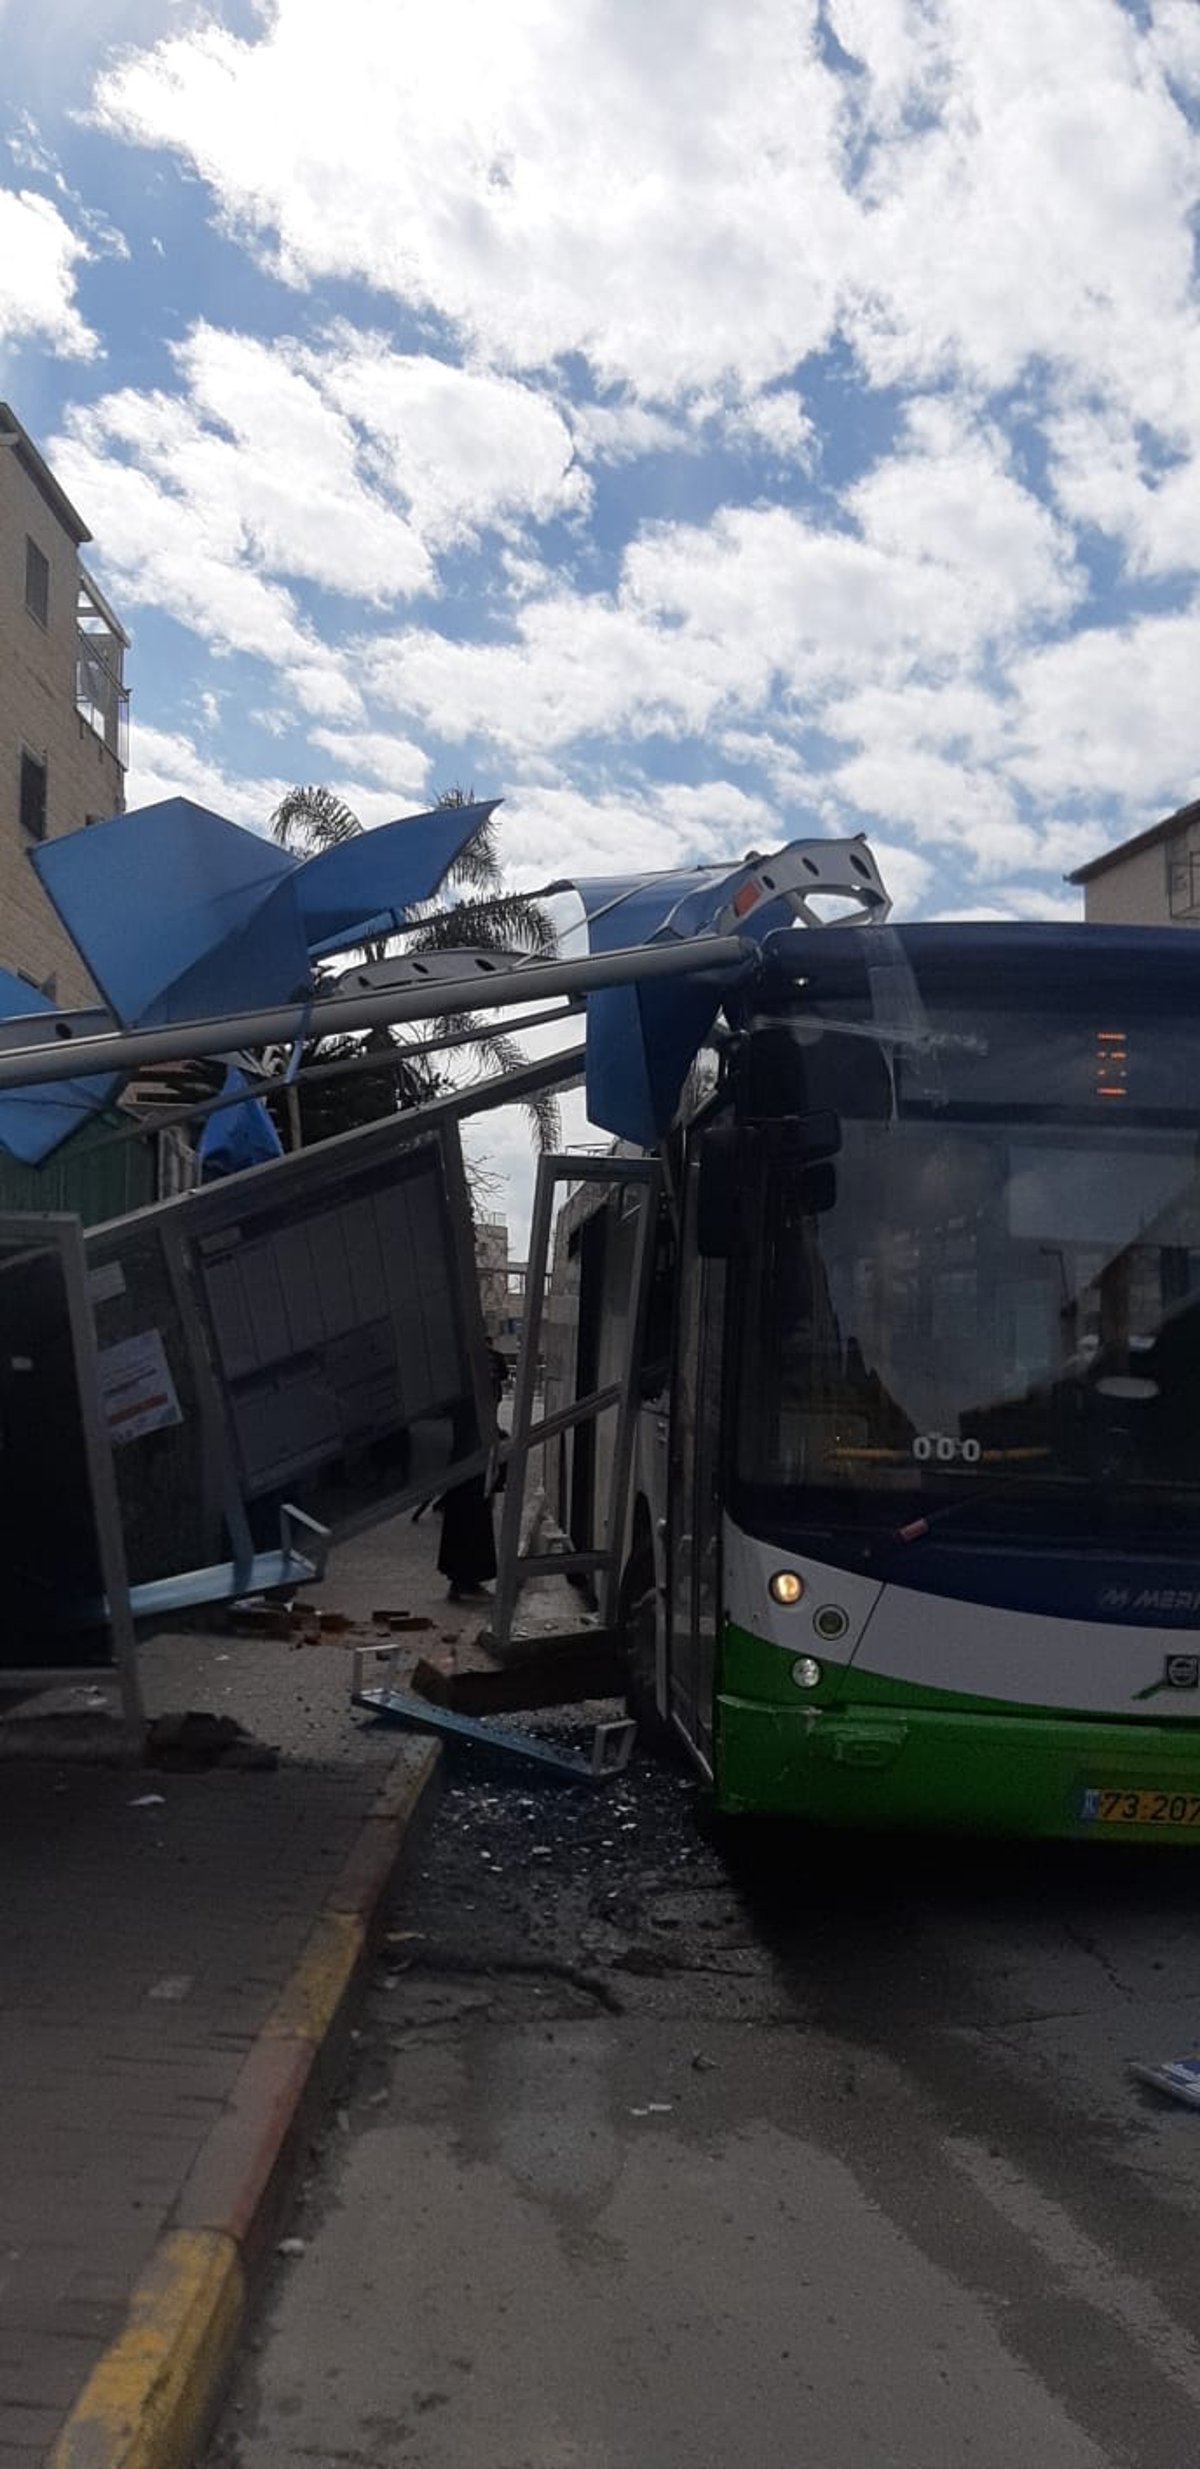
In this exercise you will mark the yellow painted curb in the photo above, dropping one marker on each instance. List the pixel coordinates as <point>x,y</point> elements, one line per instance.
<point>400,1796</point>
<point>311,2001</point>
<point>146,2404</point>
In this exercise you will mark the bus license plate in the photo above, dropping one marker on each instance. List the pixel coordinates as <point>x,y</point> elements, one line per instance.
<point>1115,1808</point>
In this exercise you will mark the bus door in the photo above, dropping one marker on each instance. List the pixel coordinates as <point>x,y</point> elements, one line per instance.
<point>694,1513</point>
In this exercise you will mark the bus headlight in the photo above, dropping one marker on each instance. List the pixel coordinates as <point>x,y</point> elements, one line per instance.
<point>806,1672</point>
<point>786,1586</point>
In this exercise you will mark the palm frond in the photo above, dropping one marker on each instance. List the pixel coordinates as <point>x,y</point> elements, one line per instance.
<point>312,819</point>
<point>506,1054</point>
<point>477,865</point>
<point>512,923</point>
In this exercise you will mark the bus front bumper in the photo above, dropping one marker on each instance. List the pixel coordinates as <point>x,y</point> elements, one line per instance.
<point>1022,1774</point>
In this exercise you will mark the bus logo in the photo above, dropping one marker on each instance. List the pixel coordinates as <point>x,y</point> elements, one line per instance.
<point>1182,1672</point>
<point>1179,1672</point>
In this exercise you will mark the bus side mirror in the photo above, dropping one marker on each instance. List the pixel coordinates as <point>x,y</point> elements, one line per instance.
<point>720,1191</point>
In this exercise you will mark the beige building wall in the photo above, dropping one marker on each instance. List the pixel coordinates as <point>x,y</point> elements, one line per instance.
<point>47,671</point>
<point>1153,880</point>
<point>1131,893</point>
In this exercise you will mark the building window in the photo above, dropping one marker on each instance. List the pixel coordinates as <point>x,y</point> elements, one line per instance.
<point>1183,878</point>
<point>37,583</point>
<point>33,795</point>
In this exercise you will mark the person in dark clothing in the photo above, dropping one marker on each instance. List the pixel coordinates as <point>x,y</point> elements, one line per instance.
<point>467,1551</point>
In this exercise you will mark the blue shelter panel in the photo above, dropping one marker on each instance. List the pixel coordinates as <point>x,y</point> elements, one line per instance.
<point>237,1136</point>
<point>365,886</point>
<point>35,1122</point>
<point>146,896</point>
<point>642,1040</point>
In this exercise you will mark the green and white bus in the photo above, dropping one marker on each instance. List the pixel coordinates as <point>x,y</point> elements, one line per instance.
<point>914,1529</point>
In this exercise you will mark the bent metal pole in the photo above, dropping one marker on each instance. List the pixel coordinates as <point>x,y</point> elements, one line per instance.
<point>69,1057</point>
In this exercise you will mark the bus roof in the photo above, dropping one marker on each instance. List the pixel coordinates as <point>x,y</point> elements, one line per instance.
<point>996,964</point>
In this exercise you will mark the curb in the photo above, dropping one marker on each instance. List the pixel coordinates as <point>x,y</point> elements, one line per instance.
<point>150,2399</point>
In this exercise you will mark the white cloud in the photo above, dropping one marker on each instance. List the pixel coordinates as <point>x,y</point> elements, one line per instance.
<point>776,421</point>
<point>462,449</point>
<point>907,877</point>
<point>39,259</point>
<point>623,432</point>
<point>1175,41</point>
<point>1140,488</point>
<point>152,545</point>
<point>657,189</point>
<point>339,464</point>
<point>1113,713</point>
<point>709,622</point>
<point>165,763</point>
<point>555,830</point>
<point>1037,207</point>
<point>689,193</point>
<point>400,769</point>
<point>952,500</point>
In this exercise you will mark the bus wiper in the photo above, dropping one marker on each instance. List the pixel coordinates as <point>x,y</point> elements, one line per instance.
<point>919,1527</point>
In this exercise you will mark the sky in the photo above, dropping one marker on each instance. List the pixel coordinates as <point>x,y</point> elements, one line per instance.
<point>699,422</point>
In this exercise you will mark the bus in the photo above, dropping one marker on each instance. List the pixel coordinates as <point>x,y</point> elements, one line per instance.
<point>914,1524</point>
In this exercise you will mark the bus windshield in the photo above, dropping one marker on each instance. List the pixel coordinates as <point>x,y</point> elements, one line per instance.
<point>998,1318</point>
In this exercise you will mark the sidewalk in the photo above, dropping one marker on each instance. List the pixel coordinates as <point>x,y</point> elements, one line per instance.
<point>178,1958</point>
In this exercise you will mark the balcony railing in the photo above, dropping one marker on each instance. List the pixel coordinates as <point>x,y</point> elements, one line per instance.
<point>101,695</point>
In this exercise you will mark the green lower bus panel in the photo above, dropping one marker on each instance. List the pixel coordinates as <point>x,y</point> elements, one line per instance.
<point>1025,1774</point>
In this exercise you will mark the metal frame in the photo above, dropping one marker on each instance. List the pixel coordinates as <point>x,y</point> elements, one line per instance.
<point>31,1234</point>
<point>514,1567</point>
<point>484,985</point>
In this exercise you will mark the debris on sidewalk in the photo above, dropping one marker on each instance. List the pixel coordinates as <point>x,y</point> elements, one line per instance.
<point>1179,2078</point>
<point>612,1743</point>
<point>584,1669</point>
<point>192,1742</point>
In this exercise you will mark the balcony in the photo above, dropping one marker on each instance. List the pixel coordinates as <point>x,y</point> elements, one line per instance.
<point>101,695</point>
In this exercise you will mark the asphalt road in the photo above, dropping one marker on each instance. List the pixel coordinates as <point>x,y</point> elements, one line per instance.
<point>663,2150</point>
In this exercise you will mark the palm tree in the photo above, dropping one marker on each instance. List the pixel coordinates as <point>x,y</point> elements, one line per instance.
<point>481,916</point>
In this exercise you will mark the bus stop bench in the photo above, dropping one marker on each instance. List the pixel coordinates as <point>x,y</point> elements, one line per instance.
<point>226,1581</point>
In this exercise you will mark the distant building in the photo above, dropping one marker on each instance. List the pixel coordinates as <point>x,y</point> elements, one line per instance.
<point>1153,880</point>
<point>491,1261</point>
<point>509,1336</point>
<point>63,706</point>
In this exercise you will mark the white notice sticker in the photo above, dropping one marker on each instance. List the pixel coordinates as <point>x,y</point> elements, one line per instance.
<point>136,1389</point>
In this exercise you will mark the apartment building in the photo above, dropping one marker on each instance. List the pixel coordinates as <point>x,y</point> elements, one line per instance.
<point>1152,880</point>
<point>63,705</point>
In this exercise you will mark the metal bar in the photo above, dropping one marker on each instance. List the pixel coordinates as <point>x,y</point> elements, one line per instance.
<point>566,1417</point>
<point>557,1564</point>
<point>513,1567</point>
<point>270,1085</point>
<point>609,1754</point>
<point>125,1050</point>
<point>221,1491</point>
<point>106,1507</point>
<point>508,1578</point>
<point>622,1457</point>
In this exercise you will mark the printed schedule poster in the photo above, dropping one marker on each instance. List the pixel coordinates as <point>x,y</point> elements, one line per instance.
<point>136,1388</point>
